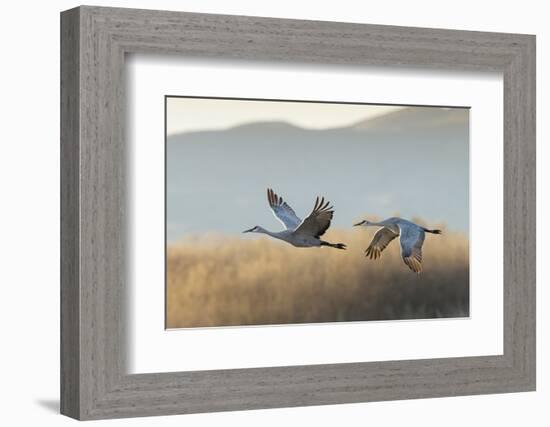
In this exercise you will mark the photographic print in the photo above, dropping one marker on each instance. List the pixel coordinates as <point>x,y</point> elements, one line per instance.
<point>290,212</point>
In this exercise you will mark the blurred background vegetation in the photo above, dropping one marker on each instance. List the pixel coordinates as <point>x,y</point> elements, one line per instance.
<point>223,280</point>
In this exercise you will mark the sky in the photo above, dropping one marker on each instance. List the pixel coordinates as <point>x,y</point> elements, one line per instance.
<point>414,163</point>
<point>187,115</point>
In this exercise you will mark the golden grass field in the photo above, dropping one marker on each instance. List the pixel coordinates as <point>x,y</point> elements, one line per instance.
<point>222,281</point>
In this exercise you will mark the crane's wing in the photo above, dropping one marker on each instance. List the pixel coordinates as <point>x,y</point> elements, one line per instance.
<point>282,211</point>
<point>411,239</point>
<point>381,239</point>
<point>318,220</point>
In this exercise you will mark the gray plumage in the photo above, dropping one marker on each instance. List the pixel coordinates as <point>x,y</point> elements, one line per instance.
<point>300,233</point>
<point>411,237</point>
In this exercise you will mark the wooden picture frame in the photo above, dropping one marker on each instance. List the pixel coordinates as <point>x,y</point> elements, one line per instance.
<point>94,382</point>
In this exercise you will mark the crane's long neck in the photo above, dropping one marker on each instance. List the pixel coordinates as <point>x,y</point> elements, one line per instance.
<point>375,224</point>
<point>264,231</point>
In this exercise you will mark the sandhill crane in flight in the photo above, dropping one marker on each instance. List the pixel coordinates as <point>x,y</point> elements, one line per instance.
<point>411,237</point>
<point>303,234</point>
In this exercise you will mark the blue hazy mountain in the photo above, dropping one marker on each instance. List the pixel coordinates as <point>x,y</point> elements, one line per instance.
<point>413,161</point>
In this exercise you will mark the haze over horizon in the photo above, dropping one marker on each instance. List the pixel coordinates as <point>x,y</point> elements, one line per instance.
<point>222,114</point>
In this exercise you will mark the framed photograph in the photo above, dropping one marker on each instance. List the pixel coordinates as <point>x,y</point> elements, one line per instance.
<point>262,213</point>
<point>361,155</point>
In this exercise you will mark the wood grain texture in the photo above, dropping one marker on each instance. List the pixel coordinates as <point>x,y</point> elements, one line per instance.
<point>70,291</point>
<point>95,275</point>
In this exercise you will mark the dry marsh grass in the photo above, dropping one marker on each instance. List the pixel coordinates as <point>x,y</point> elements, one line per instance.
<point>223,281</point>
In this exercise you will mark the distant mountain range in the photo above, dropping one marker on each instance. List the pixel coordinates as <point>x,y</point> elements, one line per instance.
<point>414,161</point>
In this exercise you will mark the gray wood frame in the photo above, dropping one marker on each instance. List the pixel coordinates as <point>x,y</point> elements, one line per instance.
<point>94,41</point>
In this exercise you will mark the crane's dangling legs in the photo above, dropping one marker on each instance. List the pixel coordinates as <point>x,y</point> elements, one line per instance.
<point>334,245</point>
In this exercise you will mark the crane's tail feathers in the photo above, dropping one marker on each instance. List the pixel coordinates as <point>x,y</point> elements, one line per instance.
<point>334,245</point>
<point>433,231</point>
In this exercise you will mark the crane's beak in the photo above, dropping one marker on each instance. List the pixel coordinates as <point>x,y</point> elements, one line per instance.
<point>359,223</point>
<point>249,230</point>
